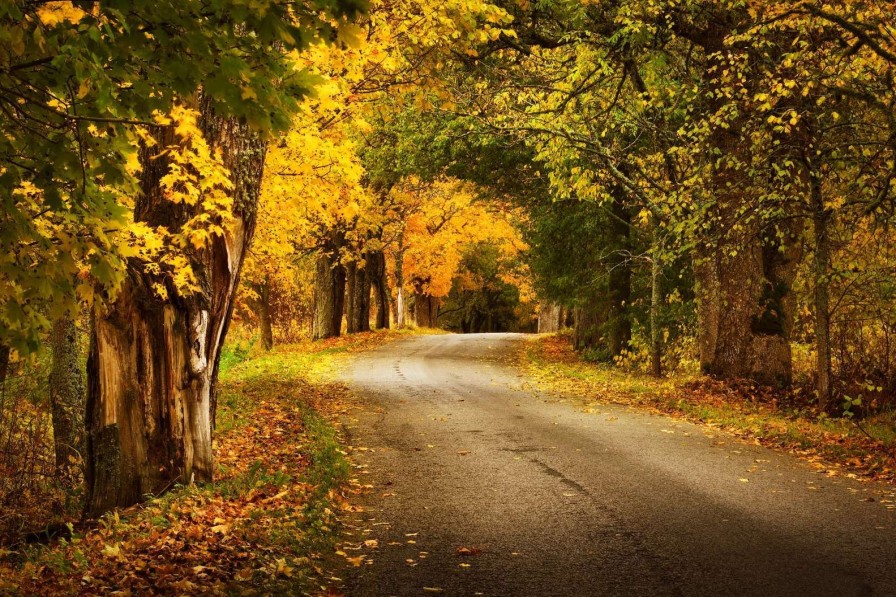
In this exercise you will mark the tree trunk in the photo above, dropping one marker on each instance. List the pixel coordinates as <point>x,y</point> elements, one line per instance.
<point>357,299</point>
<point>329,295</point>
<point>376,267</point>
<point>656,299</point>
<point>400,300</point>
<point>426,310</point>
<point>4,364</point>
<point>351,278</point>
<point>619,325</point>
<point>153,362</point>
<point>550,318</point>
<point>744,303</point>
<point>66,394</point>
<point>821,266</point>
<point>264,314</point>
<point>588,320</point>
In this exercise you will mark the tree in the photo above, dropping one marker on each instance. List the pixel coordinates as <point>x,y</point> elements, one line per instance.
<point>66,385</point>
<point>155,350</point>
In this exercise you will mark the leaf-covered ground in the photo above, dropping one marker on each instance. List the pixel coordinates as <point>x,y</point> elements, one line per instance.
<point>263,527</point>
<point>864,449</point>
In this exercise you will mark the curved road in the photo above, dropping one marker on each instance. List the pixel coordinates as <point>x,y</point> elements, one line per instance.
<point>553,500</point>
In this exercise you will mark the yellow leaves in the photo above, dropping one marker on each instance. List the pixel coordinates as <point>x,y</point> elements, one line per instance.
<point>53,13</point>
<point>113,551</point>
<point>221,529</point>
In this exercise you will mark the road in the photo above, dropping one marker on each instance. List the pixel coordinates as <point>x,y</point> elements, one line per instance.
<point>463,452</point>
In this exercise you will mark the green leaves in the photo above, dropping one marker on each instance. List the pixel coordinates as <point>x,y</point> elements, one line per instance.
<point>76,85</point>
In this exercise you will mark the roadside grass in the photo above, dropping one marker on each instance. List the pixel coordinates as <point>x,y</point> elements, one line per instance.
<point>864,448</point>
<point>267,524</point>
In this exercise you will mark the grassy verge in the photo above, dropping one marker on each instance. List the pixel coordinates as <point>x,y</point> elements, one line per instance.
<point>861,449</point>
<point>263,527</point>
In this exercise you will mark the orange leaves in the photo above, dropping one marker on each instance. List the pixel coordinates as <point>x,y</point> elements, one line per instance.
<point>440,220</point>
<point>262,524</point>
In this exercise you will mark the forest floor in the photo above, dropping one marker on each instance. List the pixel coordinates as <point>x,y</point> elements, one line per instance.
<point>851,447</point>
<point>267,523</point>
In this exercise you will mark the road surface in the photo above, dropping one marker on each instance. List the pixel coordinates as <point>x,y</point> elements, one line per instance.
<point>464,454</point>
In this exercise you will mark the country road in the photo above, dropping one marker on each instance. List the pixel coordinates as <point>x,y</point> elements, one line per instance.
<point>463,452</point>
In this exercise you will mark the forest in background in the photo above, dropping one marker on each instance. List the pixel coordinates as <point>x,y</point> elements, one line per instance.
<point>689,186</point>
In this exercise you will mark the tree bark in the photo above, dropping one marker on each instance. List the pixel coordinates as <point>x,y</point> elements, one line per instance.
<point>426,310</point>
<point>376,266</point>
<point>550,318</point>
<point>821,267</point>
<point>4,363</point>
<point>357,299</point>
<point>265,323</point>
<point>351,278</point>
<point>400,300</point>
<point>66,394</point>
<point>329,293</point>
<point>744,303</point>
<point>588,321</point>
<point>619,325</point>
<point>656,299</point>
<point>153,362</point>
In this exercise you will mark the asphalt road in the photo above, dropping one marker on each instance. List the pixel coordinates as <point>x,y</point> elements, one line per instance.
<point>463,452</point>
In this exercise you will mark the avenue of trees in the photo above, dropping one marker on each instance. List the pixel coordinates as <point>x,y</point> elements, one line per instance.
<point>679,181</point>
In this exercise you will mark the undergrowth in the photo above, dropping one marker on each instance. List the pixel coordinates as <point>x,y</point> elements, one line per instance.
<point>265,526</point>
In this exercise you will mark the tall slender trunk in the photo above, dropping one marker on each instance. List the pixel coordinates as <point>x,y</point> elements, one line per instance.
<point>821,267</point>
<point>619,325</point>
<point>265,323</point>
<point>401,302</point>
<point>656,299</point>
<point>351,296</point>
<point>153,362</point>
<point>66,386</point>
<point>376,267</point>
<point>588,321</point>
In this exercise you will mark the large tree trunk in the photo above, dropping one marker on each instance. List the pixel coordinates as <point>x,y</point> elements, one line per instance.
<point>265,324</point>
<point>66,394</point>
<point>426,310</point>
<point>357,299</point>
<point>744,303</point>
<point>153,362</point>
<point>550,318</point>
<point>329,295</point>
<point>376,267</point>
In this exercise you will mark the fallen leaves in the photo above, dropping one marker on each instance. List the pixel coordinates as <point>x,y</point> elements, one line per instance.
<point>251,528</point>
<point>753,413</point>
